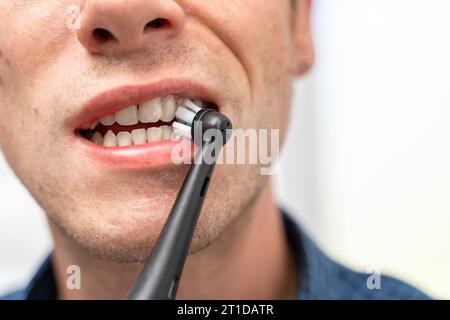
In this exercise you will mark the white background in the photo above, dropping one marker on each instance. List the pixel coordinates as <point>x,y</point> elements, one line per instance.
<point>366,165</point>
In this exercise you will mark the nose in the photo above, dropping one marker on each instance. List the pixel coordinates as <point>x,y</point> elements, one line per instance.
<point>116,26</point>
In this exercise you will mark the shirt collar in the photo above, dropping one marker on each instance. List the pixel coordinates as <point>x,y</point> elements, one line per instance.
<point>314,267</point>
<point>43,284</point>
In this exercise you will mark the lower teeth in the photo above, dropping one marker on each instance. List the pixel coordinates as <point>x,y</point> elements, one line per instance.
<point>135,137</point>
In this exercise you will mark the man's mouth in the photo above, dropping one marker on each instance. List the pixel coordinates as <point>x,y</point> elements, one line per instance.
<point>130,127</point>
<point>138,124</point>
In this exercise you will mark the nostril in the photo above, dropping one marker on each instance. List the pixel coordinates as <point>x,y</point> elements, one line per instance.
<point>157,23</point>
<point>103,35</point>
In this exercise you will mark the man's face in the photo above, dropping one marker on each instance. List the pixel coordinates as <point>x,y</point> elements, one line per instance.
<point>54,81</point>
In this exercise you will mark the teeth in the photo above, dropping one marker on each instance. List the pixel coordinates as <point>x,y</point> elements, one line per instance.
<point>127,116</point>
<point>97,138</point>
<point>154,134</point>
<point>150,111</point>
<point>169,107</point>
<point>110,139</point>
<point>158,109</point>
<point>109,120</point>
<point>139,136</point>
<point>167,132</point>
<point>124,139</point>
<point>94,125</point>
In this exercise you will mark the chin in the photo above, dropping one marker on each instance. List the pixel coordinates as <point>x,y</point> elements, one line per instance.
<point>123,223</point>
<point>127,236</point>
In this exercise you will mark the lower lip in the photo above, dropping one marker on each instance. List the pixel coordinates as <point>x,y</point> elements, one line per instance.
<point>155,155</point>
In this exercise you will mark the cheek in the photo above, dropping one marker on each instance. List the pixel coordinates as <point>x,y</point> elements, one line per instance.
<point>33,35</point>
<point>275,74</point>
<point>264,44</point>
<point>31,39</point>
<point>25,140</point>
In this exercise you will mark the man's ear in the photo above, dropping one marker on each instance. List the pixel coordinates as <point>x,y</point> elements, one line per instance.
<point>304,48</point>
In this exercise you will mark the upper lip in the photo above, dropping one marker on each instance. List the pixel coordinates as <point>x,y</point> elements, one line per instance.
<point>108,102</point>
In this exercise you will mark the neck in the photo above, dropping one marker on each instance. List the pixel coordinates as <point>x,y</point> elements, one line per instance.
<point>230,268</point>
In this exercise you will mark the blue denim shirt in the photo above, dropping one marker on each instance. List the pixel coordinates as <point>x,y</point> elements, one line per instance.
<point>319,277</point>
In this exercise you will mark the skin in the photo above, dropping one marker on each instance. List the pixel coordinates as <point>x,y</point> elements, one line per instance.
<point>106,220</point>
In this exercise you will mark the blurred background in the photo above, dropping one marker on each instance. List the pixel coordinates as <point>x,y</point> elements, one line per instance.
<point>366,168</point>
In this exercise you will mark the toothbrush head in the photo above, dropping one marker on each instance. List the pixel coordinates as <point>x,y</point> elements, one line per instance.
<point>193,121</point>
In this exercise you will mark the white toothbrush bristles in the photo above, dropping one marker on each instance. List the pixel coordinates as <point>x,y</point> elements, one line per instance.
<point>185,115</point>
<point>191,105</point>
<point>181,130</point>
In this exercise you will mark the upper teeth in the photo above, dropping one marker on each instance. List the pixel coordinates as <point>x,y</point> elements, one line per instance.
<point>127,116</point>
<point>169,108</point>
<point>148,112</point>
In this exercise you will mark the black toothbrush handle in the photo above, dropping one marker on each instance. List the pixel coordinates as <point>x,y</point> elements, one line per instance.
<point>160,277</point>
